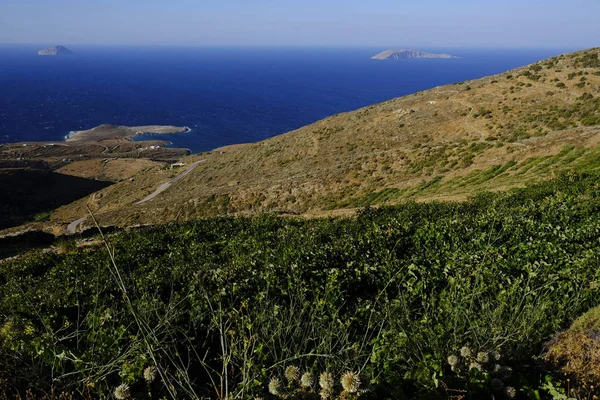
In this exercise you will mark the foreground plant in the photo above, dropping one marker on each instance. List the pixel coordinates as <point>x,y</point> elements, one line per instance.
<point>480,371</point>
<point>352,386</point>
<point>122,392</point>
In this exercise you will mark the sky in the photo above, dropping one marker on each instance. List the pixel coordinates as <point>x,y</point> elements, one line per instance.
<point>344,23</point>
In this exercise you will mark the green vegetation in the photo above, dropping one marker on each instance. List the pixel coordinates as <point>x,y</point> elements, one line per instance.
<point>588,59</point>
<point>220,307</point>
<point>43,216</point>
<point>586,110</point>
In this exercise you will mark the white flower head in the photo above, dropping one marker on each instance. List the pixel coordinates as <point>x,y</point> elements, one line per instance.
<point>326,381</point>
<point>122,392</point>
<point>475,365</point>
<point>351,382</point>
<point>510,392</point>
<point>307,380</point>
<point>292,373</point>
<point>452,360</point>
<point>483,357</point>
<point>150,374</point>
<point>465,351</point>
<point>275,386</point>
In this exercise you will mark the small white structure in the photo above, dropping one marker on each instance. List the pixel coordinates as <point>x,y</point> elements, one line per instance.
<point>177,164</point>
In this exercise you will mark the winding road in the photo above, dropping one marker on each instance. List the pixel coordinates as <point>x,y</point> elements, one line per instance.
<point>166,185</point>
<point>72,227</point>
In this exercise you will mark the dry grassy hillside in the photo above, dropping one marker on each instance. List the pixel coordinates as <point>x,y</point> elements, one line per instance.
<point>493,133</point>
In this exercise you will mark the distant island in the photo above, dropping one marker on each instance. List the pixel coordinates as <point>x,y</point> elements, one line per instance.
<point>402,54</point>
<point>114,132</point>
<point>56,51</point>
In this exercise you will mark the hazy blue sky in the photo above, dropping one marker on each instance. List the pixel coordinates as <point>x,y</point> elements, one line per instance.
<point>432,23</point>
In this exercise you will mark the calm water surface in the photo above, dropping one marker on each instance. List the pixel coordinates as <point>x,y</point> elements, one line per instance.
<point>224,95</point>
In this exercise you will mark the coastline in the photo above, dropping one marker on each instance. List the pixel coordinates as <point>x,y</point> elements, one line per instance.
<point>103,143</point>
<point>107,131</point>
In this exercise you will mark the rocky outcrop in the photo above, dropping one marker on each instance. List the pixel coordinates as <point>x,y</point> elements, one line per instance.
<point>402,54</point>
<point>56,51</point>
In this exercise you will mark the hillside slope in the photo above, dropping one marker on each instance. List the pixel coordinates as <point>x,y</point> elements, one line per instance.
<point>446,143</point>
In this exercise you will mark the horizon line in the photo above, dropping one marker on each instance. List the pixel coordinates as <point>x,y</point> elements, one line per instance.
<point>304,46</point>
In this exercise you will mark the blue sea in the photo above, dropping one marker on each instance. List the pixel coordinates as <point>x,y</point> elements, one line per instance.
<point>225,95</point>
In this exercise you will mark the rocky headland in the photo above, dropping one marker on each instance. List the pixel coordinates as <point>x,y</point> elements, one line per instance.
<point>404,54</point>
<point>56,51</point>
<point>108,131</point>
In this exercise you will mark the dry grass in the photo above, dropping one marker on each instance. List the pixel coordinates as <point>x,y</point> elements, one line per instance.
<point>109,169</point>
<point>576,352</point>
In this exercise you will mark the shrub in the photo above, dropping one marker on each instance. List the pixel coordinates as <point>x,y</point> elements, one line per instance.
<point>588,60</point>
<point>576,352</point>
<point>42,217</point>
<point>536,68</point>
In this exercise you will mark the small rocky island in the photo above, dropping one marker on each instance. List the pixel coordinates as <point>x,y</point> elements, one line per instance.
<point>116,132</point>
<point>56,51</point>
<point>404,54</point>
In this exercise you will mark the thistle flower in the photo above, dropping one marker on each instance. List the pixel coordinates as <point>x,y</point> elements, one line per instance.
<point>275,387</point>
<point>350,382</point>
<point>483,357</point>
<point>150,374</point>
<point>326,394</point>
<point>292,373</point>
<point>452,360</point>
<point>510,392</point>
<point>326,381</point>
<point>496,368</point>
<point>122,392</point>
<point>496,355</point>
<point>306,380</point>
<point>496,384</point>
<point>465,352</point>
<point>475,365</point>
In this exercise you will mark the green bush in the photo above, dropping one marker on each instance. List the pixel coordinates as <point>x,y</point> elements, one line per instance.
<point>588,60</point>
<point>42,217</point>
<point>222,305</point>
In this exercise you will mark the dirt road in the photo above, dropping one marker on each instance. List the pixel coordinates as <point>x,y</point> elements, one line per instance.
<point>166,185</point>
<point>72,227</point>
